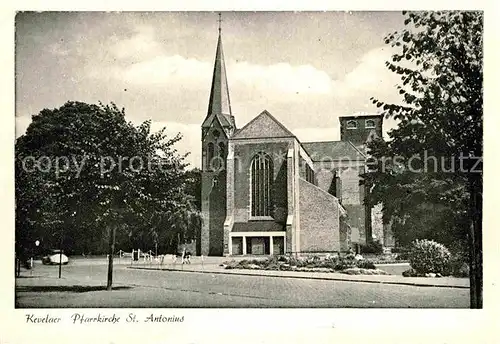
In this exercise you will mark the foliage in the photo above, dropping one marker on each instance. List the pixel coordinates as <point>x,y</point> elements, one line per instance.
<point>412,273</point>
<point>362,271</point>
<point>99,172</point>
<point>429,256</point>
<point>438,57</point>
<point>365,264</point>
<point>440,63</point>
<point>387,260</point>
<point>457,266</point>
<point>374,247</point>
<point>402,255</point>
<point>193,186</point>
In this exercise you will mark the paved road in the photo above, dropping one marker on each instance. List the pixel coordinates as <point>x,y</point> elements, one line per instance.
<point>82,287</point>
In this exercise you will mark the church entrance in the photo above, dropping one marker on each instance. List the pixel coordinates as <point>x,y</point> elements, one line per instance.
<point>258,245</point>
<point>251,244</point>
<point>278,245</point>
<point>237,246</point>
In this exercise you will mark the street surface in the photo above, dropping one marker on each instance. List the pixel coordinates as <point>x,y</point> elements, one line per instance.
<point>83,285</point>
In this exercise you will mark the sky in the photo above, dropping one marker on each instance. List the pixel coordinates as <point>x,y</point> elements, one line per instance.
<point>305,68</point>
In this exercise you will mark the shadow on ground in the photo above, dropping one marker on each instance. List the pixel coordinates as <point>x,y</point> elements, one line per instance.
<point>66,288</point>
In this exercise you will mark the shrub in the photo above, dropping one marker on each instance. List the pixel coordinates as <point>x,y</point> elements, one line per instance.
<point>428,256</point>
<point>457,266</point>
<point>231,264</point>
<point>365,264</point>
<point>403,255</point>
<point>401,252</point>
<point>411,273</point>
<point>350,255</point>
<point>341,265</point>
<point>284,259</point>
<point>372,247</point>
<point>273,266</point>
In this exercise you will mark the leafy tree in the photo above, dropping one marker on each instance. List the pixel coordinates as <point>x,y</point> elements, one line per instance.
<point>194,186</point>
<point>85,174</point>
<point>439,60</point>
<point>419,205</point>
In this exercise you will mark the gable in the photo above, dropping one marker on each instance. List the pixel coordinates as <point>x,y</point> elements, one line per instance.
<point>263,126</point>
<point>223,120</point>
<point>213,125</point>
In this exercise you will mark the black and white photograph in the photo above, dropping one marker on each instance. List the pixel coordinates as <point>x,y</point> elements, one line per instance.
<point>247,159</point>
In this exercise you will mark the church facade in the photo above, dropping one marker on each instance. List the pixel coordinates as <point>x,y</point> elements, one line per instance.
<point>265,192</point>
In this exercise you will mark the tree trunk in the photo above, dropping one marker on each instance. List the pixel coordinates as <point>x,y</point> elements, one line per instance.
<point>112,235</point>
<point>476,242</point>
<point>61,243</point>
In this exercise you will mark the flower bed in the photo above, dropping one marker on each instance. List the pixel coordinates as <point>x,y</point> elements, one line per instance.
<point>361,271</point>
<point>380,259</point>
<point>308,264</point>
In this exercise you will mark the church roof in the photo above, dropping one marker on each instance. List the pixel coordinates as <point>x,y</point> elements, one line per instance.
<point>263,126</point>
<point>333,150</point>
<point>219,105</point>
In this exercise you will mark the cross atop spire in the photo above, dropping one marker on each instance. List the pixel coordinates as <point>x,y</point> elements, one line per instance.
<point>219,105</point>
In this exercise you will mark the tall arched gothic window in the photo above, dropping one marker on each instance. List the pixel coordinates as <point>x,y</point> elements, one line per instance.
<point>261,181</point>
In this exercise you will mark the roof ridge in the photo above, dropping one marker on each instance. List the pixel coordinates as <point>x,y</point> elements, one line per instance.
<point>323,141</point>
<point>333,149</point>
<point>363,154</point>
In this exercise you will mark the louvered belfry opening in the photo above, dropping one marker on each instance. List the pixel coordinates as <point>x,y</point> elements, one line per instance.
<point>261,185</point>
<point>210,156</point>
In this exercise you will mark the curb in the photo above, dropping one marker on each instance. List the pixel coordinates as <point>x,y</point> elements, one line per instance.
<point>308,277</point>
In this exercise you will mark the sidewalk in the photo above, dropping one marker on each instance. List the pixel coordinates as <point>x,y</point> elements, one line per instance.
<point>213,268</point>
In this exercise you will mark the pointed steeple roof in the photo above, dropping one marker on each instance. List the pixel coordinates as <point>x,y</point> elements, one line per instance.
<point>219,104</point>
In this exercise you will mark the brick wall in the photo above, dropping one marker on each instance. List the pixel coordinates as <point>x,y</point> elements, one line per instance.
<point>352,200</point>
<point>324,178</point>
<point>319,219</point>
<point>213,213</point>
<point>359,135</point>
<point>351,191</point>
<point>345,236</point>
<point>356,218</point>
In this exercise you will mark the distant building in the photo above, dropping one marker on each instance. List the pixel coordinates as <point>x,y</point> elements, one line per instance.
<point>265,192</point>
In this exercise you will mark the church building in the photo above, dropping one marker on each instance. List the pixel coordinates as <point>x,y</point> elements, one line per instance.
<point>265,192</point>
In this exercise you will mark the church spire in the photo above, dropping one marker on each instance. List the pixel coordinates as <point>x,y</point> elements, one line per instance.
<point>219,105</point>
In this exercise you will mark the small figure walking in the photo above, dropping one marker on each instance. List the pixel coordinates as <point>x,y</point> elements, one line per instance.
<point>186,257</point>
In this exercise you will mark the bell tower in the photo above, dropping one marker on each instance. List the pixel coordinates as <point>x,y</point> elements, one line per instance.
<point>217,128</point>
<point>361,128</point>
